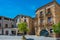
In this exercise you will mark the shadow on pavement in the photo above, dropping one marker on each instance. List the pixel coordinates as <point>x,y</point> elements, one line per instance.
<point>30,39</point>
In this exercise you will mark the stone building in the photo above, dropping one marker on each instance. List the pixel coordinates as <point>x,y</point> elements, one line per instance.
<point>7,26</point>
<point>28,20</point>
<point>46,16</point>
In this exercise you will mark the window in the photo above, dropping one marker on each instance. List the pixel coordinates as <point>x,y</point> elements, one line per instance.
<point>51,30</point>
<point>41,12</point>
<point>25,17</point>
<point>7,32</point>
<point>12,26</point>
<point>0,18</point>
<point>24,20</point>
<point>0,24</point>
<point>13,32</point>
<point>49,19</point>
<point>6,25</point>
<point>16,20</point>
<point>49,11</point>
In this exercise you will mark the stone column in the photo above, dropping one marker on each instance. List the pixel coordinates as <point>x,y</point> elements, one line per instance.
<point>2,26</point>
<point>16,31</point>
<point>9,32</point>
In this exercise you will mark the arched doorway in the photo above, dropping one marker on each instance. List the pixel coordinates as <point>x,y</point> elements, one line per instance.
<point>25,33</point>
<point>13,32</point>
<point>44,33</point>
<point>6,32</point>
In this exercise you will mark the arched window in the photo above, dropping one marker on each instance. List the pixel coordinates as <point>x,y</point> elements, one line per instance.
<point>49,19</point>
<point>7,32</point>
<point>12,26</point>
<point>6,25</point>
<point>41,12</point>
<point>49,10</point>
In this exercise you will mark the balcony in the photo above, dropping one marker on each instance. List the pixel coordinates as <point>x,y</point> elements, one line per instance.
<point>12,27</point>
<point>6,27</point>
<point>41,22</point>
<point>41,25</point>
<point>49,14</point>
<point>49,23</point>
<point>41,16</point>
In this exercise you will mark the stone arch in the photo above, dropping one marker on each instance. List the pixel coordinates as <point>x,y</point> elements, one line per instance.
<point>44,32</point>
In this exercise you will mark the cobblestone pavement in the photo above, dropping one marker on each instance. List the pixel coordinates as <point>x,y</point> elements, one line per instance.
<point>2,37</point>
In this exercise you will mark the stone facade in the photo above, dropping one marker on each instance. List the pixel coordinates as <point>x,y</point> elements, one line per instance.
<point>46,16</point>
<point>28,20</point>
<point>6,24</point>
<point>9,26</point>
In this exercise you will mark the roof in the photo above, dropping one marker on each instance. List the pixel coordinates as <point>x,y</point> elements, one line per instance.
<point>17,17</point>
<point>6,17</point>
<point>48,4</point>
<point>22,15</point>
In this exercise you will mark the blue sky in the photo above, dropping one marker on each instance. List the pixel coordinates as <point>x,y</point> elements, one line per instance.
<point>11,8</point>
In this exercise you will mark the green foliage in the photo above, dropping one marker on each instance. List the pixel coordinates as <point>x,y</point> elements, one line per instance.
<point>22,27</point>
<point>56,28</point>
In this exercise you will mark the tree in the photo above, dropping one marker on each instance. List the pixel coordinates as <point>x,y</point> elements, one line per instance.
<point>22,27</point>
<point>56,29</point>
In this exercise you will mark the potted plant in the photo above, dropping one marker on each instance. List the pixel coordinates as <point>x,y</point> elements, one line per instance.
<point>56,29</point>
<point>22,27</point>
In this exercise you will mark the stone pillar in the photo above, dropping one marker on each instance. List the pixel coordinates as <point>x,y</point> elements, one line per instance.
<point>9,32</point>
<point>4,31</point>
<point>2,26</point>
<point>16,32</point>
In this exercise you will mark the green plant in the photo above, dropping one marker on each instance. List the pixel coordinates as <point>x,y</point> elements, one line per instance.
<point>56,28</point>
<point>22,27</point>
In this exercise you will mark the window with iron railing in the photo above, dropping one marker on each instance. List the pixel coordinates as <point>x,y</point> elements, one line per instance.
<point>41,13</point>
<point>49,19</point>
<point>48,11</point>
